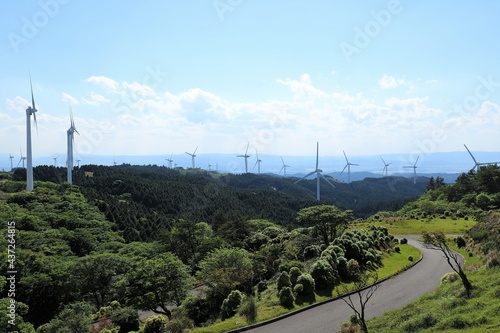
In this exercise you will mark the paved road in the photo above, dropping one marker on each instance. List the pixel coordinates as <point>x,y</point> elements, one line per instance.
<point>391,294</point>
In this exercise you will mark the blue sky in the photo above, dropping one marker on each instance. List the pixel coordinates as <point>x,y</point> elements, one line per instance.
<point>162,77</point>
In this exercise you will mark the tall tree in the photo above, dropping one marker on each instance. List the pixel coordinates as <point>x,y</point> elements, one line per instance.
<point>329,221</point>
<point>159,282</point>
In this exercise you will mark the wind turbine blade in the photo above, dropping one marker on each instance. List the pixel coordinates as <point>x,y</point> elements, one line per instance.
<point>282,168</point>
<point>345,157</point>
<point>470,154</point>
<point>343,169</point>
<point>416,161</point>
<point>246,151</point>
<point>36,124</point>
<point>354,164</point>
<point>331,184</point>
<point>256,153</point>
<point>282,161</point>
<point>195,150</point>
<point>32,97</point>
<point>383,161</point>
<point>310,173</point>
<point>317,154</point>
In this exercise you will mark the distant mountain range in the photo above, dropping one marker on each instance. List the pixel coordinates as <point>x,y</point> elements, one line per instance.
<point>447,165</point>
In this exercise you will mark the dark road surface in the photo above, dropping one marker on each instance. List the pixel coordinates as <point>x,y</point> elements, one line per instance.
<point>391,294</point>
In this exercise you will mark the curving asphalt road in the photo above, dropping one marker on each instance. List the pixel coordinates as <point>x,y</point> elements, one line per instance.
<point>391,294</point>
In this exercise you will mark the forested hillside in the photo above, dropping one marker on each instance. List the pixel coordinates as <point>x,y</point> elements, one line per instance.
<point>143,200</point>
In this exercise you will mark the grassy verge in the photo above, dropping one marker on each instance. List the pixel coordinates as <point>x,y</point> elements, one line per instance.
<point>448,310</point>
<point>268,305</point>
<point>400,226</point>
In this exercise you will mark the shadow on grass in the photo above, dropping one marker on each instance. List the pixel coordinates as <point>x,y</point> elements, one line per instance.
<point>325,292</point>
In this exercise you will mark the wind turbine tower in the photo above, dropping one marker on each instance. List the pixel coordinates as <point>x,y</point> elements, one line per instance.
<point>414,166</point>
<point>31,110</point>
<point>348,166</point>
<point>11,157</point>
<point>476,163</point>
<point>71,140</point>
<point>78,163</point>
<point>318,173</point>
<point>246,156</point>
<point>284,167</point>
<point>385,167</point>
<point>170,160</point>
<point>193,155</point>
<point>258,162</point>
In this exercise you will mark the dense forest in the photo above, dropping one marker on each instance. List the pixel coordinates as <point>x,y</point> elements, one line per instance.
<point>129,238</point>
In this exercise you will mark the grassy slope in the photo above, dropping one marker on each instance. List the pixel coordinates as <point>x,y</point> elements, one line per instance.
<point>400,226</point>
<point>447,310</point>
<point>268,305</point>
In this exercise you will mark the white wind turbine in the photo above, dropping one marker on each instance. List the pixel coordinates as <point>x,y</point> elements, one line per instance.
<point>23,158</point>
<point>385,167</point>
<point>11,157</point>
<point>318,173</point>
<point>476,163</point>
<point>31,110</point>
<point>348,166</point>
<point>55,160</point>
<point>170,160</point>
<point>414,166</point>
<point>70,143</point>
<point>246,156</point>
<point>78,163</point>
<point>258,162</point>
<point>284,167</point>
<point>193,155</point>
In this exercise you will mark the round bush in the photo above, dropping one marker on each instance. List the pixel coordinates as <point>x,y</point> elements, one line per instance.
<point>403,241</point>
<point>449,277</point>
<point>295,272</point>
<point>308,284</point>
<point>397,249</point>
<point>283,281</point>
<point>286,297</point>
<point>231,303</point>
<point>323,274</point>
<point>298,289</point>
<point>156,324</point>
<point>410,258</point>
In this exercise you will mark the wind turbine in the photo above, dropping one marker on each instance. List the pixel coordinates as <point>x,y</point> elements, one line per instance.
<point>71,140</point>
<point>348,166</point>
<point>55,160</point>
<point>11,157</point>
<point>31,110</point>
<point>476,163</point>
<point>246,156</point>
<point>258,162</point>
<point>284,167</point>
<point>414,166</point>
<point>193,155</point>
<point>78,163</point>
<point>385,167</point>
<point>170,160</point>
<point>23,158</point>
<point>318,173</point>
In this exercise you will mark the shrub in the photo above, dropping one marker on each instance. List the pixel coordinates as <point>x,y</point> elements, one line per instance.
<point>397,249</point>
<point>323,274</point>
<point>298,289</point>
<point>449,277</point>
<point>403,241</point>
<point>286,266</point>
<point>286,297</point>
<point>156,324</point>
<point>307,282</point>
<point>197,308</point>
<point>248,309</point>
<point>295,272</point>
<point>261,286</point>
<point>179,324</point>
<point>460,242</point>
<point>283,281</point>
<point>231,304</point>
<point>410,258</point>
<point>311,251</point>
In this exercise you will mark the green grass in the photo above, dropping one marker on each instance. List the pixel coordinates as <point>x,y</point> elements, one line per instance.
<point>268,305</point>
<point>400,226</point>
<point>448,310</point>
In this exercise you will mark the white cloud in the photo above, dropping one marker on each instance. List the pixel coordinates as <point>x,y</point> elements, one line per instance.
<point>303,88</point>
<point>95,99</point>
<point>391,82</point>
<point>138,89</point>
<point>103,81</point>
<point>68,98</point>
<point>18,104</point>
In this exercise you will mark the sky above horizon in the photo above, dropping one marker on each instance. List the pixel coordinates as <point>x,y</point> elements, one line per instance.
<point>162,77</point>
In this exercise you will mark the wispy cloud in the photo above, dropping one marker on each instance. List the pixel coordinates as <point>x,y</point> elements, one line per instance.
<point>391,82</point>
<point>65,97</point>
<point>95,99</point>
<point>103,81</point>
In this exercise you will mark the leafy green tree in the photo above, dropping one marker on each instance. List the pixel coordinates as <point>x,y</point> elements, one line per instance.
<point>329,221</point>
<point>158,282</point>
<point>21,309</point>
<point>74,318</point>
<point>227,269</point>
